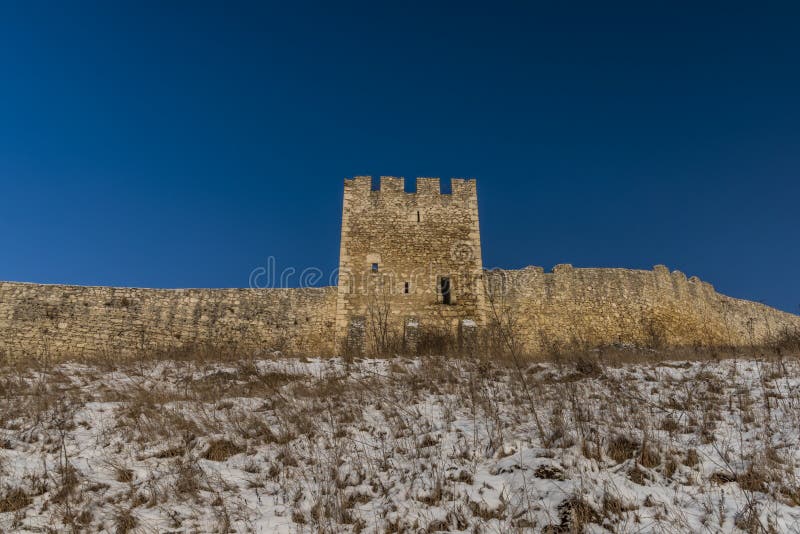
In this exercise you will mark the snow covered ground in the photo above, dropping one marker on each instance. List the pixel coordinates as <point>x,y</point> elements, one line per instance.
<point>400,445</point>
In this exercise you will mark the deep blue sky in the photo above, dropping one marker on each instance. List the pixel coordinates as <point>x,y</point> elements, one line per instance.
<point>180,144</point>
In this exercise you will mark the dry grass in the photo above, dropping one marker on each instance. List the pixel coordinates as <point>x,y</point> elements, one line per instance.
<point>124,522</point>
<point>384,444</point>
<point>220,450</point>
<point>622,448</point>
<point>13,499</point>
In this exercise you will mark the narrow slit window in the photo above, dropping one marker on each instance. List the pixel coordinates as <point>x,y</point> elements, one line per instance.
<point>405,288</point>
<point>374,267</point>
<point>417,216</point>
<point>444,289</point>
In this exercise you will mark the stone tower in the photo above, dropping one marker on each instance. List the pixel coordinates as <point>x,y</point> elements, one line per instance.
<point>408,262</point>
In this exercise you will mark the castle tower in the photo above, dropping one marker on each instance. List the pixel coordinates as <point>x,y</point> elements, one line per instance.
<point>408,261</point>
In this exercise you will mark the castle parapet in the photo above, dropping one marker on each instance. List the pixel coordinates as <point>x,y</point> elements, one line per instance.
<point>392,184</point>
<point>428,186</point>
<point>463,187</point>
<point>460,188</point>
<point>360,184</point>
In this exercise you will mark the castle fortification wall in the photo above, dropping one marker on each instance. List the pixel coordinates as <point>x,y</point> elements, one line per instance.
<point>62,321</point>
<point>396,247</point>
<point>584,306</point>
<point>605,306</point>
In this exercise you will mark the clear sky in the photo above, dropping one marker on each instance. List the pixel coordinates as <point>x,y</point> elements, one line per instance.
<point>170,144</point>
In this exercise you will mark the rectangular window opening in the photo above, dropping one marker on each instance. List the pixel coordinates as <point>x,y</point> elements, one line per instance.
<point>417,216</point>
<point>405,288</point>
<point>444,289</point>
<point>374,267</point>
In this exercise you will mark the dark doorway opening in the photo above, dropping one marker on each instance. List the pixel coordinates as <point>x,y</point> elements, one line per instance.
<point>444,288</point>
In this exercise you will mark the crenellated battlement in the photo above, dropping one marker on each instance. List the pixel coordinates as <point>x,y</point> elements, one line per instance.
<point>358,184</point>
<point>461,188</point>
<point>428,186</point>
<point>466,187</point>
<point>392,184</point>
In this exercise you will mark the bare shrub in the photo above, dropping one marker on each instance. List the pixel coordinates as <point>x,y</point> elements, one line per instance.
<point>655,333</point>
<point>187,481</point>
<point>722,477</point>
<point>435,342</point>
<point>123,474</point>
<point>787,341</point>
<point>506,329</point>
<point>124,521</point>
<point>549,472</point>
<point>649,456</point>
<point>747,520</point>
<point>381,331</point>
<point>220,450</point>
<point>753,479</point>
<point>622,448</point>
<point>13,499</point>
<point>638,475</point>
<point>670,424</point>
<point>587,366</point>
<point>575,514</point>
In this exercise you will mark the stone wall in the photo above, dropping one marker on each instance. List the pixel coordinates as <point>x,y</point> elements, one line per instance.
<point>605,306</point>
<point>583,306</point>
<point>61,321</point>
<point>397,245</point>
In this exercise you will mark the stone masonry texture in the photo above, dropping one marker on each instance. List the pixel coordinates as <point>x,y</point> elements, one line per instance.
<point>396,248</point>
<point>593,307</point>
<point>73,321</point>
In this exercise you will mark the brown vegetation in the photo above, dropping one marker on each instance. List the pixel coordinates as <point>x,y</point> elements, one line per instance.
<point>326,438</point>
